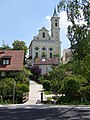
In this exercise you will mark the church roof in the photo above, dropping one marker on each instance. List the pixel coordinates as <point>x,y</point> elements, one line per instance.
<point>47,61</point>
<point>55,13</point>
<point>43,28</point>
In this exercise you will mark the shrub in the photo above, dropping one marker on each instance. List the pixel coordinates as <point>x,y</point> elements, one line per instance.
<point>70,86</point>
<point>46,85</point>
<point>36,72</point>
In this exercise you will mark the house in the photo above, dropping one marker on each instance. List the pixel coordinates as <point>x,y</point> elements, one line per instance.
<point>46,63</point>
<point>67,55</point>
<point>45,45</point>
<point>11,60</point>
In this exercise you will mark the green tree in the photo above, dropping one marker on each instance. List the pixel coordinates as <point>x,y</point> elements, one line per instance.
<point>71,86</point>
<point>6,87</point>
<point>36,72</point>
<point>5,47</point>
<point>56,77</point>
<point>46,85</point>
<point>85,67</point>
<point>58,73</point>
<point>77,34</point>
<point>19,45</point>
<point>21,85</point>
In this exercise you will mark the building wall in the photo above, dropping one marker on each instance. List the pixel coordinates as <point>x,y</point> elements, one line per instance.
<point>45,69</point>
<point>50,47</point>
<point>50,43</point>
<point>66,55</point>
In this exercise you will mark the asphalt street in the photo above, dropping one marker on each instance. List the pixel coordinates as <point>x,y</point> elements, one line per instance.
<point>44,112</point>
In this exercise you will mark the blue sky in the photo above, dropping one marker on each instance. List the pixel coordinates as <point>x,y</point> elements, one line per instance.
<point>21,20</point>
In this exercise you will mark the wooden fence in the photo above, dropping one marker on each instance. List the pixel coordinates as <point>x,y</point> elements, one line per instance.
<point>25,97</point>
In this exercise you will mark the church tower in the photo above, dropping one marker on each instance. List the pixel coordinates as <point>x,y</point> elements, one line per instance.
<point>45,49</point>
<point>55,30</point>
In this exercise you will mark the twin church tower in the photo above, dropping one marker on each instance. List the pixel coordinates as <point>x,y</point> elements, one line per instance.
<point>45,46</point>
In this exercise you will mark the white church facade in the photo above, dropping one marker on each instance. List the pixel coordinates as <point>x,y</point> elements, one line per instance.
<point>45,49</point>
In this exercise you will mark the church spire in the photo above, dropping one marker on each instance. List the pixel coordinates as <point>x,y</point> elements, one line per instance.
<point>55,13</point>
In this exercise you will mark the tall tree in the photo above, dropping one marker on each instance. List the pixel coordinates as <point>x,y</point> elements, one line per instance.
<point>36,72</point>
<point>5,47</point>
<point>19,45</point>
<point>78,34</point>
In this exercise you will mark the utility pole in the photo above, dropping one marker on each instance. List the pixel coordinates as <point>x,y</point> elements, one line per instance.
<point>14,91</point>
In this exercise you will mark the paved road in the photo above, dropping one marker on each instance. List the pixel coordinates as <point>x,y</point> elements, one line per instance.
<point>44,112</point>
<point>32,111</point>
<point>35,93</point>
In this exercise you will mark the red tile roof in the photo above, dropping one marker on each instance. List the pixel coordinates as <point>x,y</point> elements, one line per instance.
<point>47,61</point>
<point>16,62</point>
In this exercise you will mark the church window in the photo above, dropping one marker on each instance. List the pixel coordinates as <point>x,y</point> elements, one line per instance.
<point>43,48</point>
<point>56,24</point>
<point>56,20</point>
<point>50,49</point>
<point>50,55</point>
<point>36,48</point>
<point>43,34</point>
<point>36,54</point>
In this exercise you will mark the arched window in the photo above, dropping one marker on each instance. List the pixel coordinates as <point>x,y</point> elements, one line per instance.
<point>50,55</point>
<point>50,49</point>
<point>43,34</point>
<point>36,48</point>
<point>43,48</point>
<point>56,24</point>
<point>36,54</point>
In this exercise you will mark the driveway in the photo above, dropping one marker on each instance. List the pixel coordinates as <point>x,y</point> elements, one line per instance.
<point>35,93</point>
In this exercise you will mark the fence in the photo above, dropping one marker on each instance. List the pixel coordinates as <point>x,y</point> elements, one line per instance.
<point>25,97</point>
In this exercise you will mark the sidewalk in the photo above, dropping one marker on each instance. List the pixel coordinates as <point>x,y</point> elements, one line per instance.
<point>35,93</point>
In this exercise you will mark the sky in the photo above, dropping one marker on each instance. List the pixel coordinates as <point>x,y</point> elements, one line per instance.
<point>21,20</point>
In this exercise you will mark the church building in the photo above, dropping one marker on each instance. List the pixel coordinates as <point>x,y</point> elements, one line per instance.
<point>45,49</point>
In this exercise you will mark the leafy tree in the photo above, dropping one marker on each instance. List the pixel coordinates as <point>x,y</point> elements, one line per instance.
<point>19,45</point>
<point>6,87</point>
<point>71,86</point>
<point>46,85</point>
<point>21,76</point>
<point>55,77</point>
<point>77,34</point>
<point>85,67</point>
<point>85,94</point>
<point>21,86</point>
<point>58,73</point>
<point>36,72</point>
<point>5,47</point>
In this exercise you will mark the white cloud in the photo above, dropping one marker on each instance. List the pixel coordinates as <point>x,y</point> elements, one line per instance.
<point>48,18</point>
<point>63,28</point>
<point>81,22</point>
<point>63,21</point>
